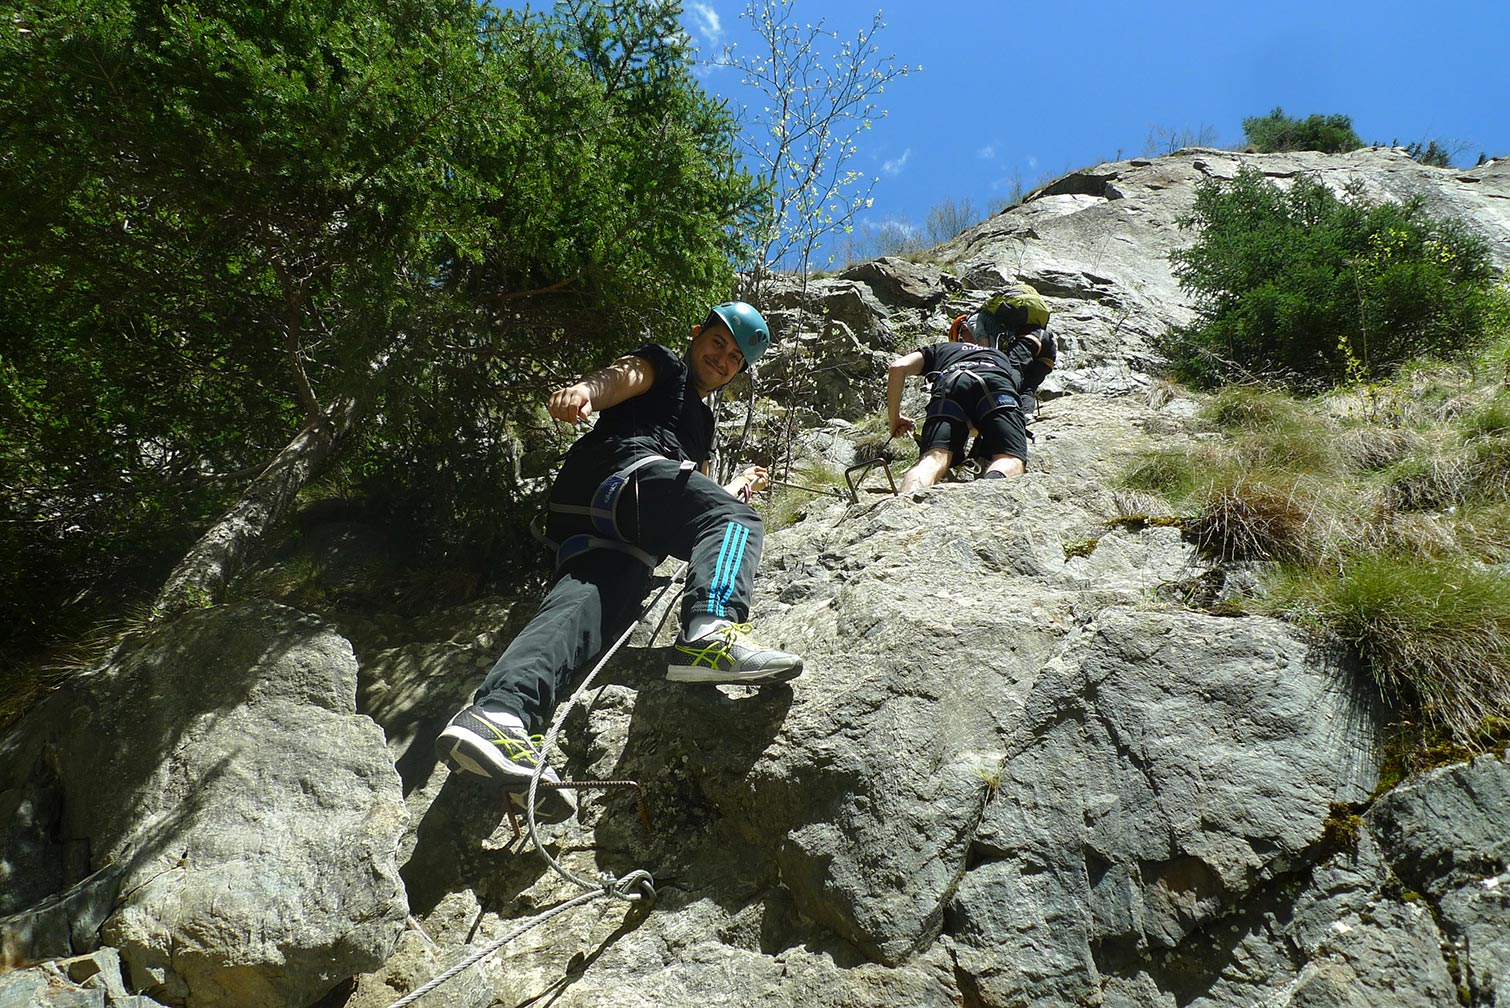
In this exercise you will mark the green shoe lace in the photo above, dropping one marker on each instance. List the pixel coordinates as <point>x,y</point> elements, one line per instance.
<point>521,752</point>
<point>716,648</point>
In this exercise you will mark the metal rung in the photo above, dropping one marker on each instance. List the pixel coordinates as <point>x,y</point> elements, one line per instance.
<point>863,468</point>
<point>600,785</point>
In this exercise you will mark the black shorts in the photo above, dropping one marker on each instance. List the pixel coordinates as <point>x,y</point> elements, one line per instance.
<point>1001,432</point>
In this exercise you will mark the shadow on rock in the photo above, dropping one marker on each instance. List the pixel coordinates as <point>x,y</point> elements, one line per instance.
<point>691,748</point>
<point>463,841</point>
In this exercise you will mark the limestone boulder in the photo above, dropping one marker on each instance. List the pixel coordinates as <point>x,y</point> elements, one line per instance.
<point>254,816</point>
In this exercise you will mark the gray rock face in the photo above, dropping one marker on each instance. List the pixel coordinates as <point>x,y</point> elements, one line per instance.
<point>1096,244</point>
<point>899,282</point>
<point>1449,838</point>
<point>87,981</point>
<point>1013,773</point>
<point>1179,763</point>
<point>1025,755</point>
<point>59,924</point>
<point>1008,777</point>
<point>1018,769</point>
<point>254,814</point>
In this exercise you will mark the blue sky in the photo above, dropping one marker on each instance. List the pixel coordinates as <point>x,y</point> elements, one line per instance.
<point>1013,93</point>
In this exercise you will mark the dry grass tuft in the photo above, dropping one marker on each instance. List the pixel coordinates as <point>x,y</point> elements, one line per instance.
<point>1251,408</point>
<point>1374,449</point>
<point>1257,519</point>
<point>1128,502</point>
<point>1429,482</point>
<point>1484,532</point>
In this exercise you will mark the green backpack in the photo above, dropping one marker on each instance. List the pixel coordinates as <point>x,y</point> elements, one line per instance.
<point>1017,307</point>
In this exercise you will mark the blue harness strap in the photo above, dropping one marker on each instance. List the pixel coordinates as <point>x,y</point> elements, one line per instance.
<point>602,511</point>
<point>578,544</point>
<point>993,403</point>
<point>605,499</point>
<point>945,407</point>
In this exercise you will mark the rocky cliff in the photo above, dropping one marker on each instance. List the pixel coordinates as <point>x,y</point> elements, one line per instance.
<point>1024,766</point>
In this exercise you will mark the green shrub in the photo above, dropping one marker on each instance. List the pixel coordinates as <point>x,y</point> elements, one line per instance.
<point>1278,132</point>
<point>1433,154</point>
<point>220,219</point>
<point>1308,288</point>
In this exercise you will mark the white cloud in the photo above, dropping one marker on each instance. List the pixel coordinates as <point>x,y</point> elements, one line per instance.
<point>1032,162</point>
<point>895,165</point>
<point>706,26</point>
<point>988,152</point>
<point>899,225</point>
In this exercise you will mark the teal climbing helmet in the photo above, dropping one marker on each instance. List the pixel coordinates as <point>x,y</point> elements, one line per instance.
<point>751,333</point>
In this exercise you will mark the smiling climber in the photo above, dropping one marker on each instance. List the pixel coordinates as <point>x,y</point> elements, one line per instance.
<point>631,491</point>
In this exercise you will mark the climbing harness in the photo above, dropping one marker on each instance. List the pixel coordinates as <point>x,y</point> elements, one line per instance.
<point>987,404</point>
<point>602,511</point>
<point>637,886</point>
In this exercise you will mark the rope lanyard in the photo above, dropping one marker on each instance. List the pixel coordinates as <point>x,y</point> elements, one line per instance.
<point>634,887</point>
<point>609,885</point>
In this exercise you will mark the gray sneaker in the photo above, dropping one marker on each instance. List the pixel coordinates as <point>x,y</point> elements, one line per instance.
<point>496,747</point>
<point>728,655</point>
